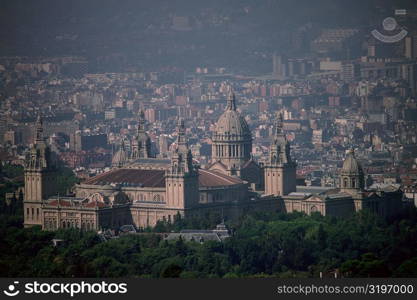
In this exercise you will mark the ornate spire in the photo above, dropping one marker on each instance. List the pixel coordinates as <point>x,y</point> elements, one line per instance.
<point>39,129</point>
<point>39,154</point>
<point>181,139</point>
<point>141,143</point>
<point>279,150</point>
<point>279,125</point>
<point>141,125</point>
<point>182,159</point>
<point>231,101</point>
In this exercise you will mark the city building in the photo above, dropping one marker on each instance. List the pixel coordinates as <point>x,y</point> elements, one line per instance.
<point>142,189</point>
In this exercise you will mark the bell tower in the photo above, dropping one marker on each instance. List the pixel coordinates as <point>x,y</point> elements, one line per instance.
<point>39,177</point>
<point>182,177</point>
<point>280,170</point>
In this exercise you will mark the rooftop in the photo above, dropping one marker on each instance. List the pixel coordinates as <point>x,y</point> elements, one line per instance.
<point>156,178</point>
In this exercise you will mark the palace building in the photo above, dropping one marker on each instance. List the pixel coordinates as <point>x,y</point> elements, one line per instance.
<point>142,189</point>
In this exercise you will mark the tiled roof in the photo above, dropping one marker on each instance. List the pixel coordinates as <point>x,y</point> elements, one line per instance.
<point>137,177</point>
<point>156,178</point>
<point>212,178</point>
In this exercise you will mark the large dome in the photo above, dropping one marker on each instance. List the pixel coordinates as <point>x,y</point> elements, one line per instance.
<point>231,123</point>
<point>351,165</point>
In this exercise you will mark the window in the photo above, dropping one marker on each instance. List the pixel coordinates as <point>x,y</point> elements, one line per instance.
<point>345,182</point>
<point>353,182</point>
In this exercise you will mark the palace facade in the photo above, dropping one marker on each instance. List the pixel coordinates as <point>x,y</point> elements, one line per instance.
<point>141,189</point>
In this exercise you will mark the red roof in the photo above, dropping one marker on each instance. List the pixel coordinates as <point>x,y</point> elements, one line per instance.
<point>156,178</point>
<point>144,178</point>
<point>212,178</point>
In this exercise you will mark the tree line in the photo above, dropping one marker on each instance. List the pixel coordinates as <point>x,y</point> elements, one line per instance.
<point>262,245</point>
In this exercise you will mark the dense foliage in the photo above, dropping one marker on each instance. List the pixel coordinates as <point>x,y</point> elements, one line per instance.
<point>11,178</point>
<point>263,244</point>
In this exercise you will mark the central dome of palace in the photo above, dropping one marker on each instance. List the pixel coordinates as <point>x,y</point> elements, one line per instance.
<point>231,122</point>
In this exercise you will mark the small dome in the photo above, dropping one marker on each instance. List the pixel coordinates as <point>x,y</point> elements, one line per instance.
<point>351,165</point>
<point>120,157</point>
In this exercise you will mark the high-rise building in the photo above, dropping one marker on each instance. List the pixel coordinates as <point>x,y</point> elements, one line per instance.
<point>279,66</point>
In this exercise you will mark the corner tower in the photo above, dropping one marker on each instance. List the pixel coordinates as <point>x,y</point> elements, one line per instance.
<point>231,140</point>
<point>280,170</point>
<point>181,177</point>
<point>39,177</point>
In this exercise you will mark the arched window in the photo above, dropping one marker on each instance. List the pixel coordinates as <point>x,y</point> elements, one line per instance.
<point>353,182</point>
<point>345,182</point>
